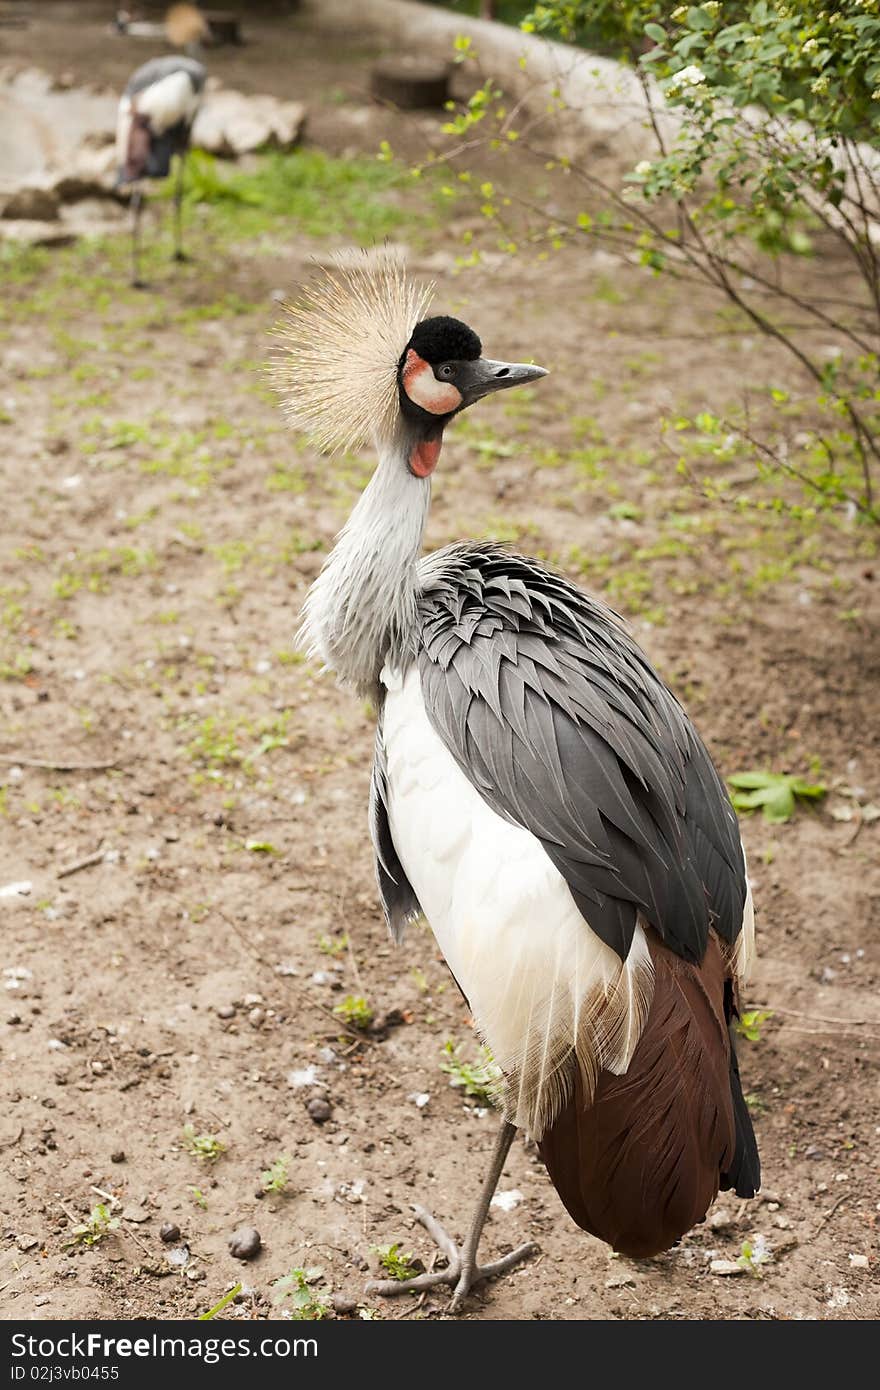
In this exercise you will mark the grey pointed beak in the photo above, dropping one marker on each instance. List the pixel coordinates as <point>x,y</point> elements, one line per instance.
<point>485,376</point>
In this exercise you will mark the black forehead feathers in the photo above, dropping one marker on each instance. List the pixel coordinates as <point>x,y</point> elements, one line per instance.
<point>443,339</point>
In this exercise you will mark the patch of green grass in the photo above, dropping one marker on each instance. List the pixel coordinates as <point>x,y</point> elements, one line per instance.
<point>100,1224</point>
<point>294,1296</point>
<point>355,1011</point>
<point>750,1023</point>
<point>205,1146</point>
<point>480,1079</point>
<point>395,1264</point>
<point>776,793</point>
<point>305,189</point>
<point>335,946</point>
<point>275,1177</point>
<point>220,740</point>
<point>755,1253</point>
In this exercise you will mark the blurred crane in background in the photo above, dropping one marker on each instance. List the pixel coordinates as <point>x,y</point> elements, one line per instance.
<point>156,114</point>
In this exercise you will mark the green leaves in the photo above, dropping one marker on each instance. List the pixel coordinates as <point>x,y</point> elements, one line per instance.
<point>750,1023</point>
<point>395,1263</point>
<point>293,1294</point>
<point>776,793</point>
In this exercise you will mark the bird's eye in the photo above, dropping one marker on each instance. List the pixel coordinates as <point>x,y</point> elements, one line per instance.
<point>446,371</point>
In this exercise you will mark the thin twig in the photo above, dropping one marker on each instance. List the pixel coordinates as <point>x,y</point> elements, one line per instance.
<point>824,1018</point>
<point>137,1240</point>
<point>85,863</point>
<point>828,1215</point>
<point>10,760</point>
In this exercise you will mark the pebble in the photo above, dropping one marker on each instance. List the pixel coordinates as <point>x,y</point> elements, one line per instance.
<point>14,1018</point>
<point>117,1156</point>
<point>27,1242</point>
<point>720,1219</point>
<point>256,1017</point>
<point>136,1214</point>
<point>859,1261</point>
<point>169,1232</point>
<point>727,1267</point>
<point>245,1243</point>
<point>620,1281</point>
<point>319,1109</point>
<point>341,1304</point>
<point>226,1011</point>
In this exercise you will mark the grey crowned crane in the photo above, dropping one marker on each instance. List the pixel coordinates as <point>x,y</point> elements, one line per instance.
<point>156,112</point>
<point>537,793</point>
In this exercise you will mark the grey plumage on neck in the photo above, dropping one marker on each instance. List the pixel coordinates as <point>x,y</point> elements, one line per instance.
<point>361,610</point>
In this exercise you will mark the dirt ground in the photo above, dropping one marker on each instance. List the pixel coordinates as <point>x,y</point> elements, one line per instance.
<point>161,527</point>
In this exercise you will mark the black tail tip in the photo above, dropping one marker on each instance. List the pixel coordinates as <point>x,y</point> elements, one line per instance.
<point>744,1173</point>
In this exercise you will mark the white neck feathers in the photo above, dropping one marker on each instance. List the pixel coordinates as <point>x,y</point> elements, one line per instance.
<point>363,603</point>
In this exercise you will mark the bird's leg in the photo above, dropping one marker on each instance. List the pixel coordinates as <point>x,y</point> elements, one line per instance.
<point>179,253</point>
<point>463,1272</point>
<point>137,199</point>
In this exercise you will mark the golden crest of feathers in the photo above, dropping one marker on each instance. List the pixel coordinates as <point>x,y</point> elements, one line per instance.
<point>185,24</point>
<point>338,346</point>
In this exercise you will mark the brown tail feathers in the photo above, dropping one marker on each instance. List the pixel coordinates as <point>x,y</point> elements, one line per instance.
<point>641,1163</point>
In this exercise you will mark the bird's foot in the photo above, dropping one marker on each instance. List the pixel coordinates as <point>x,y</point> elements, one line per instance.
<point>461,1274</point>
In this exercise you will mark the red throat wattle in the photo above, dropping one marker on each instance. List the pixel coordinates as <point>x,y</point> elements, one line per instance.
<point>423,459</point>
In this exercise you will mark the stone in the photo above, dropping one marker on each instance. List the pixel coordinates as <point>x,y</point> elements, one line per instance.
<point>29,233</point>
<point>30,204</point>
<point>230,123</point>
<point>245,1243</point>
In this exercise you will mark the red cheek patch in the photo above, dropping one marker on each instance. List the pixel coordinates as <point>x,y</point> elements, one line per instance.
<point>423,459</point>
<point>423,388</point>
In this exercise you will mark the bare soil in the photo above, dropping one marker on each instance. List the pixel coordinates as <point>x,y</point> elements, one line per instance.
<point>161,528</point>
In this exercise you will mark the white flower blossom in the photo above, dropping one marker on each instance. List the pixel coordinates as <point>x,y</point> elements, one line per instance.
<point>691,76</point>
<point>643,168</point>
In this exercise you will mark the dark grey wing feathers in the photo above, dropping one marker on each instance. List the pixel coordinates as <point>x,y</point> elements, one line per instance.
<point>398,896</point>
<point>155,69</point>
<point>555,716</point>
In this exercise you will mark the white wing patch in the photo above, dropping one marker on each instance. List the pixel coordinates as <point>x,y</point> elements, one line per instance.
<point>745,953</point>
<point>542,987</point>
<point>168,101</point>
<point>123,130</point>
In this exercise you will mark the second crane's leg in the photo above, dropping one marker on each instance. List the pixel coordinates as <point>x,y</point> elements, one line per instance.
<point>179,253</point>
<point>137,199</point>
<point>463,1272</point>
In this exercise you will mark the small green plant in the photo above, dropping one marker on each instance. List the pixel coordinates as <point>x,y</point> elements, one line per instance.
<point>224,1303</point>
<point>100,1224</point>
<point>206,1146</point>
<point>750,1023</point>
<point>199,1198</point>
<point>755,1253</point>
<point>395,1264</point>
<point>295,1298</point>
<point>355,1011</point>
<point>275,1177</point>
<point>333,945</point>
<point>777,793</point>
<point>420,979</point>
<point>480,1079</point>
